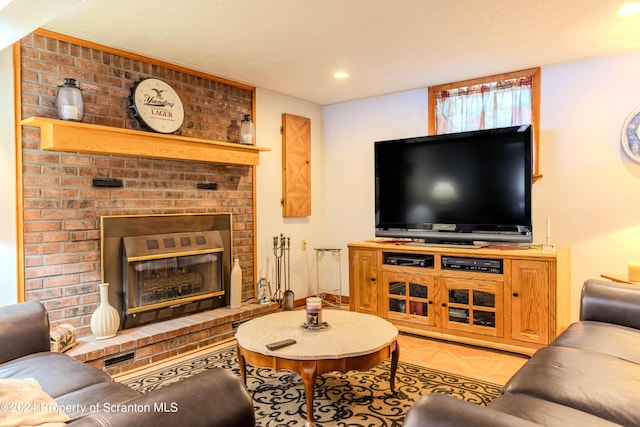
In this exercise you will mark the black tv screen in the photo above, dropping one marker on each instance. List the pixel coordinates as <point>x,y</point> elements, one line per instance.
<point>455,188</point>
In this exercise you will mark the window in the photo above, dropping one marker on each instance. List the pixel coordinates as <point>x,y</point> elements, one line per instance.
<point>508,99</point>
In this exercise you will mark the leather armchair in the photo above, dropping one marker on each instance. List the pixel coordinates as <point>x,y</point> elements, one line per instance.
<point>214,398</point>
<point>587,376</point>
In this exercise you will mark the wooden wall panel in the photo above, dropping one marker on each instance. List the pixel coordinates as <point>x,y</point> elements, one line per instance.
<point>296,165</point>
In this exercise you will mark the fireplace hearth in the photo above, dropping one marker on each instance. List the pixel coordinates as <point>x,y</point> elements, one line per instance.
<point>166,266</point>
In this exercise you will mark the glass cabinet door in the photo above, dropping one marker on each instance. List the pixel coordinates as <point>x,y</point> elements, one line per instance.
<point>471,305</point>
<point>409,297</point>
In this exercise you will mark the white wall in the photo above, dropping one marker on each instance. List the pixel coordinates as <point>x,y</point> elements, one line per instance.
<point>349,132</point>
<point>8,254</point>
<point>590,191</point>
<point>270,222</point>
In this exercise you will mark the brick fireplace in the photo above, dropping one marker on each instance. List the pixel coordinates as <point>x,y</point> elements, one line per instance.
<point>61,208</point>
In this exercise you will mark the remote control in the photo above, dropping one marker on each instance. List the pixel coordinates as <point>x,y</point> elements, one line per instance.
<point>280,344</point>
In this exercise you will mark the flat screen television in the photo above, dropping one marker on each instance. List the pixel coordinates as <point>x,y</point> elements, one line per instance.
<point>461,188</point>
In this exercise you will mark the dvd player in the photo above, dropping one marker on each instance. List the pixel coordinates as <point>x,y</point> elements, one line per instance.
<point>423,261</point>
<point>484,265</point>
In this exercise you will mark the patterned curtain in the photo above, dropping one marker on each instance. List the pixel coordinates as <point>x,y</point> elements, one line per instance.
<point>484,106</point>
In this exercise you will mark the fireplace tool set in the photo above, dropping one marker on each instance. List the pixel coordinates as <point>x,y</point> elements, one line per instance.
<point>281,250</point>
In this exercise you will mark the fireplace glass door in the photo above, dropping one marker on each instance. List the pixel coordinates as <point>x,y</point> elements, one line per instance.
<point>162,272</point>
<point>173,279</point>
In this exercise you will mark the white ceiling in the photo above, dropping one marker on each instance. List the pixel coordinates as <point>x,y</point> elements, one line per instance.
<point>293,47</point>
<point>21,17</point>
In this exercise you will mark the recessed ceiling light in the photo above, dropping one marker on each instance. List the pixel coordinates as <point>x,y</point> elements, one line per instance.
<point>629,9</point>
<point>341,75</point>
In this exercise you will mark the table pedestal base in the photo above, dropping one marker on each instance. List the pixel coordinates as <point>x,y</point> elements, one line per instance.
<point>310,369</point>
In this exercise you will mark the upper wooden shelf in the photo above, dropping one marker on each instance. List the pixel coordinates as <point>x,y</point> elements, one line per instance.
<point>62,135</point>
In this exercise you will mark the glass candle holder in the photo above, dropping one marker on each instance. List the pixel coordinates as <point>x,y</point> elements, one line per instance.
<point>247,133</point>
<point>69,101</point>
<point>314,312</point>
<point>264,291</point>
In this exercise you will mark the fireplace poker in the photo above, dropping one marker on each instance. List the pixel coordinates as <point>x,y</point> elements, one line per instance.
<point>281,251</point>
<point>289,296</point>
<point>277,252</point>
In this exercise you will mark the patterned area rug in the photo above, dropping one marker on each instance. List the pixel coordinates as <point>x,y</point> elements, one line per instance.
<point>352,399</point>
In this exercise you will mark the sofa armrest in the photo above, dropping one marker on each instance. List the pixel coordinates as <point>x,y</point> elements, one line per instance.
<point>213,398</point>
<point>442,410</point>
<point>24,329</point>
<point>610,302</point>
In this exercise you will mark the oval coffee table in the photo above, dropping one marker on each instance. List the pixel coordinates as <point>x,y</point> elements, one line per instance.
<point>352,341</point>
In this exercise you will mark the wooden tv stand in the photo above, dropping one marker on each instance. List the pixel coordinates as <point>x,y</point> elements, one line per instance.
<point>509,298</point>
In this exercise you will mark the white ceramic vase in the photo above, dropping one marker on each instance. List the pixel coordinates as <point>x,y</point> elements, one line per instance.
<point>236,285</point>
<point>105,321</point>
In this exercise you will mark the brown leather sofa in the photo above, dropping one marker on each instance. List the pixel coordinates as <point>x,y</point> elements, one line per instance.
<point>214,398</point>
<point>588,376</point>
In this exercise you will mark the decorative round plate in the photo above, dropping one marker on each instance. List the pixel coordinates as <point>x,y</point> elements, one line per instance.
<point>631,136</point>
<point>157,106</point>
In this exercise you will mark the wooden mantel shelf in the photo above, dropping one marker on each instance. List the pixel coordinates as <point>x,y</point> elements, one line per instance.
<point>61,135</point>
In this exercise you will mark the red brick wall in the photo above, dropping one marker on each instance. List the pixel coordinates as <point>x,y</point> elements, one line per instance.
<point>61,208</point>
